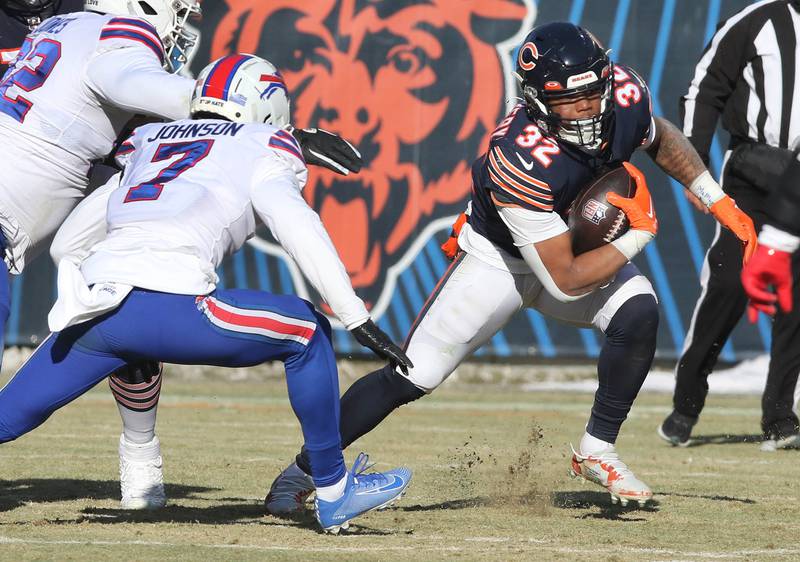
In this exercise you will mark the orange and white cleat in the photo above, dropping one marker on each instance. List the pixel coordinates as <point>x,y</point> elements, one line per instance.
<point>610,472</point>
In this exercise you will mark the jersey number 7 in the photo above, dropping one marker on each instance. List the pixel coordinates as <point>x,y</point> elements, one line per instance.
<point>193,152</point>
<point>28,72</point>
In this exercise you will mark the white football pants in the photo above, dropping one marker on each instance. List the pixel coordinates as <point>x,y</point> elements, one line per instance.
<point>474,300</point>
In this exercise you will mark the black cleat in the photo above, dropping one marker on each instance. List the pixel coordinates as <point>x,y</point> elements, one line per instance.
<point>677,429</point>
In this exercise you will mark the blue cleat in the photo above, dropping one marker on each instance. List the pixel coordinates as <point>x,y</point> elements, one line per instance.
<point>363,493</point>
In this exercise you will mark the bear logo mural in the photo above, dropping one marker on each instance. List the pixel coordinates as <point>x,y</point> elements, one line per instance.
<point>416,85</point>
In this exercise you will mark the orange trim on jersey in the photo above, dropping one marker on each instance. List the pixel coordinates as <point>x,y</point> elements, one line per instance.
<point>519,173</point>
<point>518,195</point>
<point>547,196</point>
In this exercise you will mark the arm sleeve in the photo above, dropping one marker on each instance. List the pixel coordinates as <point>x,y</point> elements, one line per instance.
<point>298,229</point>
<point>133,79</point>
<point>85,226</point>
<point>529,227</point>
<point>714,81</point>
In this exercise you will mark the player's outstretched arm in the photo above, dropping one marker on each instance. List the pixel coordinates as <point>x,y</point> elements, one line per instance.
<point>674,154</point>
<point>134,80</point>
<point>299,231</point>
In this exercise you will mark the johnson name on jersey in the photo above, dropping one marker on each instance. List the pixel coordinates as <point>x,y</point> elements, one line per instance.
<point>525,168</point>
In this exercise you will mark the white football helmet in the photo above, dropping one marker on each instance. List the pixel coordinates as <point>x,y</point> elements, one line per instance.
<point>242,88</point>
<point>169,17</point>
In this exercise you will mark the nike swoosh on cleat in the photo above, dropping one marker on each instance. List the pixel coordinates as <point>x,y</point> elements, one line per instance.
<point>525,163</point>
<point>393,485</point>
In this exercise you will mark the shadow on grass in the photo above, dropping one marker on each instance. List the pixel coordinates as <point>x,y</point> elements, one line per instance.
<point>601,500</point>
<point>715,498</point>
<point>244,513</point>
<point>15,493</point>
<point>724,439</point>
<point>467,503</point>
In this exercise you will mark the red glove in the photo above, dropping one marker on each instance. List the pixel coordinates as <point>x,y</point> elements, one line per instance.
<point>768,267</point>
<point>730,216</point>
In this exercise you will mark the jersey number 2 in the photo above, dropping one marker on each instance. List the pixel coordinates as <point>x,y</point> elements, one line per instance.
<point>28,74</point>
<point>192,152</point>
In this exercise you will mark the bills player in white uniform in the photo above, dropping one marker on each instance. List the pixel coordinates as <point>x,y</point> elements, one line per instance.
<point>139,283</point>
<point>79,78</point>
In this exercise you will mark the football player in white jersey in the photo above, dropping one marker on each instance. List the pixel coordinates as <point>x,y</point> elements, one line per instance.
<point>139,283</point>
<point>77,81</point>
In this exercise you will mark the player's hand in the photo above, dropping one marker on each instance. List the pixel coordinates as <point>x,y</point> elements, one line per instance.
<point>730,216</point>
<point>695,200</point>
<point>369,335</point>
<point>326,149</point>
<point>450,246</point>
<point>639,209</point>
<point>768,267</point>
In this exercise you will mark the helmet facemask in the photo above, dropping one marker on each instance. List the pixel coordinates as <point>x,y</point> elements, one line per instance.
<point>181,41</point>
<point>587,134</point>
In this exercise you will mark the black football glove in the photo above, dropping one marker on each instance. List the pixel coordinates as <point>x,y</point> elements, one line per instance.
<point>139,372</point>
<point>369,335</point>
<point>326,149</point>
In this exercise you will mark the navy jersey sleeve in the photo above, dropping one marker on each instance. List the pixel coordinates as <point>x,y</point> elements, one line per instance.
<point>633,103</point>
<point>514,177</point>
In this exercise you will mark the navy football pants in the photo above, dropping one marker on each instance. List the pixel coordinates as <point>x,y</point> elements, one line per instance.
<point>228,328</point>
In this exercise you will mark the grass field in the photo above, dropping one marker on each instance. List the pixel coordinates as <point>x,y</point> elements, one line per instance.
<point>490,483</point>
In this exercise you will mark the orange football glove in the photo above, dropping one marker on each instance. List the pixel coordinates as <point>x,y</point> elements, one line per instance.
<point>730,216</point>
<point>639,208</point>
<point>450,247</point>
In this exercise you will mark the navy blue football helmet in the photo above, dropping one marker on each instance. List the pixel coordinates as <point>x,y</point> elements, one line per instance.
<point>560,60</point>
<point>30,12</point>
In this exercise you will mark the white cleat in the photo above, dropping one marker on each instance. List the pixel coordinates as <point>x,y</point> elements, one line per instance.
<point>772,445</point>
<point>140,475</point>
<point>610,472</point>
<point>289,492</point>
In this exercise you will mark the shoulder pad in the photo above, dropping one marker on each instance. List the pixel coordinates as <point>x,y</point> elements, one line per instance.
<point>127,31</point>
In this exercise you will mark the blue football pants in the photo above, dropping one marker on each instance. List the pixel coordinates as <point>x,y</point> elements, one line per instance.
<point>228,328</point>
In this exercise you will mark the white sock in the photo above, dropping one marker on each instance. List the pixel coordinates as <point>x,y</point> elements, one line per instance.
<point>333,492</point>
<point>140,451</point>
<point>591,445</point>
<point>138,427</point>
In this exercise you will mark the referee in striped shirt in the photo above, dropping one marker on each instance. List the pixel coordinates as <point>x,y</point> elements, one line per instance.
<point>750,75</point>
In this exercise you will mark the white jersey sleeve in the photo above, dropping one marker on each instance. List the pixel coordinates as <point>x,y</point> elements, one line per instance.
<point>127,72</point>
<point>531,227</point>
<point>276,198</point>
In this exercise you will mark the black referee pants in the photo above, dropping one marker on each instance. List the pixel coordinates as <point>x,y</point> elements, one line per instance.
<point>722,303</point>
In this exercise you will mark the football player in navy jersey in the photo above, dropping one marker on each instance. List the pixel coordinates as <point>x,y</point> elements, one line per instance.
<point>580,113</point>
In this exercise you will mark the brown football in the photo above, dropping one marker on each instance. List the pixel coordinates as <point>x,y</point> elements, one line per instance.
<point>592,220</point>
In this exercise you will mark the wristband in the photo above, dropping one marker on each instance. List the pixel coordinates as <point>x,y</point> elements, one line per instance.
<point>778,239</point>
<point>705,188</point>
<point>633,242</point>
